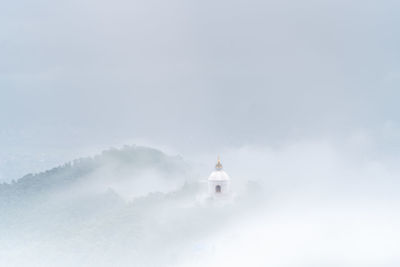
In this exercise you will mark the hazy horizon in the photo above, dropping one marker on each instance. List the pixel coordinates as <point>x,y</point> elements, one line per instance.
<point>299,98</point>
<point>193,77</point>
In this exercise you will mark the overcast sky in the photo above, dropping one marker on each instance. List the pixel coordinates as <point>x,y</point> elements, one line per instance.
<point>193,75</point>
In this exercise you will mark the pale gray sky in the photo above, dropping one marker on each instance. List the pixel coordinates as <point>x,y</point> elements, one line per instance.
<point>192,75</point>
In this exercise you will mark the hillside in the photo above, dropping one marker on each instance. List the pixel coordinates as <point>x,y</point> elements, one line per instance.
<point>143,169</point>
<point>82,212</point>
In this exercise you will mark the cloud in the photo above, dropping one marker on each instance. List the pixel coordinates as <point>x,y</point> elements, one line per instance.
<point>196,75</point>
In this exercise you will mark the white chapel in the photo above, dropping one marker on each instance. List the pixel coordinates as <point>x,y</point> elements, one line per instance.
<point>219,181</point>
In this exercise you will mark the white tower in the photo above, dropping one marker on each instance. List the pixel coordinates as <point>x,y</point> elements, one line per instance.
<point>218,182</point>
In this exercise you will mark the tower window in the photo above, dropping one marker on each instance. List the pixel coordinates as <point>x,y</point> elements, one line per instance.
<point>218,189</point>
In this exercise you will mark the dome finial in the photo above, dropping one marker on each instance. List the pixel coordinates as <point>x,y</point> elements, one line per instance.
<point>219,165</point>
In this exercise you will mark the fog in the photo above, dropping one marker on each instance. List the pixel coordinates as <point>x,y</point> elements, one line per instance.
<point>77,77</point>
<point>304,204</point>
<point>299,98</point>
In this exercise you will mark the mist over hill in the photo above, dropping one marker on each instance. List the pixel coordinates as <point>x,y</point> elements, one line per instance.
<point>299,98</point>
<point>114,209</point>
<point>131,171</point>
<point>136,206</point>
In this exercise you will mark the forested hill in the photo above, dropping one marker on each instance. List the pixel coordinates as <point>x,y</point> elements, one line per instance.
<point>141,168</point>
<point>120,208</point>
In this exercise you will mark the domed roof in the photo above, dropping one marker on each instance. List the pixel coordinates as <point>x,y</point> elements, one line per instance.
<point>218,174</point>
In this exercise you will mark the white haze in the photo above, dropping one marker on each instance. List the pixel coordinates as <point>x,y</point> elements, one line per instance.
<point>310,203</point>
<point>299,98</point>
<point>324,204</point>
<point>197,76</point>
